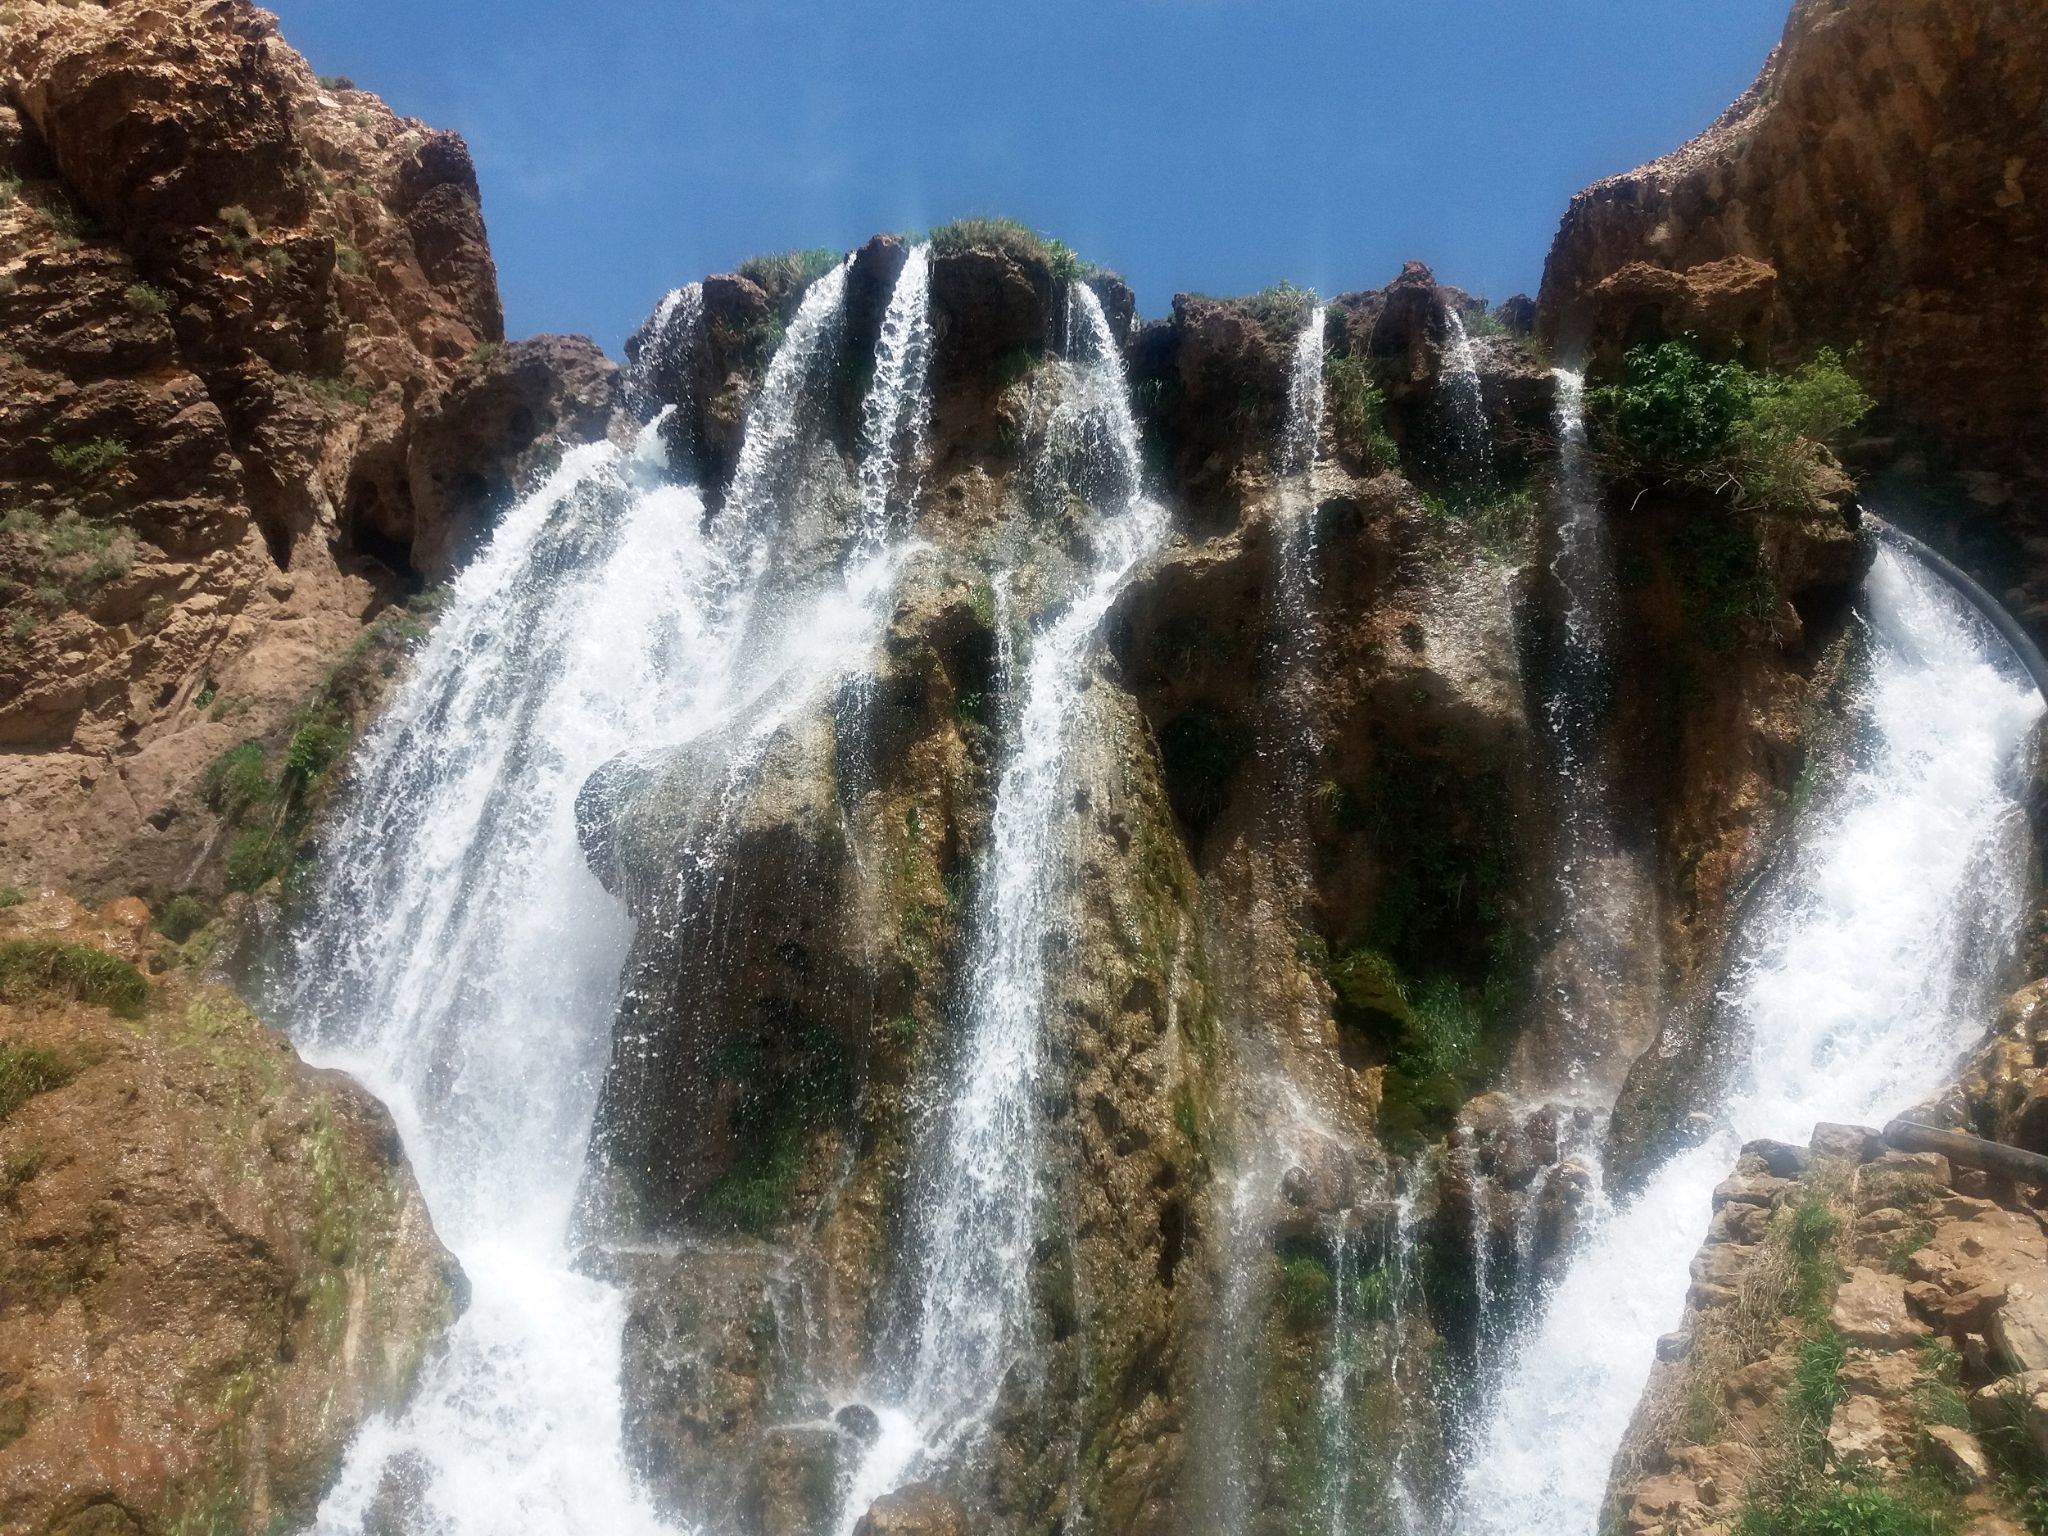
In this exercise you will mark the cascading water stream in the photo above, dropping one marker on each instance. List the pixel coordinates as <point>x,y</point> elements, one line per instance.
<point>1860,979</point>
<point>896,420</point>
<point>1601,963</point>
<point>982,1214</point>
<point>461,960</point>
<point>1470,439</point>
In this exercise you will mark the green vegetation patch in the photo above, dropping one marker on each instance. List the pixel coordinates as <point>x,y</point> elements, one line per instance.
<point>1356,411</point>
<point>1817,1508</point>
<point>90,459</point>
<point>1281,308</point>
<point>1762,438</point>
<point>790,271</point>
<point>784,1085</point>
<point>147,299</point>
<point>27,1070</point>
<point>41,969</point>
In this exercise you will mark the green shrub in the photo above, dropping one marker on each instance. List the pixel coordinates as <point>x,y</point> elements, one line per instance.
<point>336,83</point>
<point>349,259</point>
<point>27,1070</point>
<point>277,258</point>
<point>90,459</point>
<point>11,896</point>
<point>1761,438</point>
<point>484,352</point>
<point>239,222</point>
<point>337,391</point>
<point>1482,321</point>
<point>1673,408</point>
<point>236,781</point>
<point>147,299</point>
<point>1444,1029</point>
<point>1281,308</point>
<point>254,856</point>
<point>314,748</point>
<point>10,189</point>
<point>42,968</point>
<point>181,917</point>
<point>1356,411</point>
<point>788,270</point>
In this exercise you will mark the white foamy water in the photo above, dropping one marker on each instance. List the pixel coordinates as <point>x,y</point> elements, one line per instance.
<point>981,1213</point>
<point>1862,977</point>
<point>462,961</point>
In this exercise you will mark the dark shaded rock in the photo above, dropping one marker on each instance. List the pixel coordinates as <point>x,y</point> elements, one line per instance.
<point>501,421</point>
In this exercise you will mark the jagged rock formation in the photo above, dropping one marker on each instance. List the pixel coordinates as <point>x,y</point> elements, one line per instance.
<point>1880,188</point>
<point>216,1264</point>
<point>1879,1314</point>
<point>227,293</point>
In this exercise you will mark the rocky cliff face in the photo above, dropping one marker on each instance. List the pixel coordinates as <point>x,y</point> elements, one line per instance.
<point>214,1263</point>
<point>250,384</point>
<point>1880,190</point>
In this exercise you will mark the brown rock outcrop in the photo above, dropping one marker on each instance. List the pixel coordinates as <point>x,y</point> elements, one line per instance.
<point>226,293</point>
<point>214,1263</point>
<point>1882,186</point>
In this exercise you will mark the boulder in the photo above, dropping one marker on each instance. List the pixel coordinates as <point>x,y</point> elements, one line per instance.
<point>919,1510</point>
<point>1870,1311</point>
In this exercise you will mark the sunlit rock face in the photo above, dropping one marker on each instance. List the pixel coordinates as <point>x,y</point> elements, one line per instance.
<point>1881,187</point>
<point>218,1263</point>
<point>228,294</point>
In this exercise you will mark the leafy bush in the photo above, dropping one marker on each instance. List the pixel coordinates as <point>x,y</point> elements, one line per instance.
<point>90,459</point>
<point>147,299</point>
<point>348,259</point>
<point>1367,980</point>
<point>42,968</point>
<point>11,896</point>
<point>1482,321</point>
<point>1356,411</point>
<point>181,917</point>
<point>10,189</point>
<point>336,83</point>
<point>1761,437</point>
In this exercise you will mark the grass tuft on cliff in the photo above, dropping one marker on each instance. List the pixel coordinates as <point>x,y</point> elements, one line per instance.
<point>33,970</point>
<point>27,1070</point>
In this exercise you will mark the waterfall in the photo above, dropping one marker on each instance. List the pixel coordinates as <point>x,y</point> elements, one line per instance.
<point>896,419</point>
<point>1466,403</point>
<point>981,1211</point>
<point>1296,468</point>
<point>1601,966</point>
<point>1860,978</point>
<point>460,959</point>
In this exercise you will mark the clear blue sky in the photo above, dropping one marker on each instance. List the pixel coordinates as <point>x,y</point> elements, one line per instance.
<point>1215,145</point>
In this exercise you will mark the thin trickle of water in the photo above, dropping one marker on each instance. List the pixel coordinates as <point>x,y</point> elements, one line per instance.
<point>1860,979</point>
<point>983,1211</point>
<point>1471,439</point>
<point>896,419</point>
<point>462,961</point>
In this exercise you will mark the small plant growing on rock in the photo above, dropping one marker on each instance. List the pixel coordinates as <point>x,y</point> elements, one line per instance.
<point>11,896</point>
<point>26,1071</point>
<point>348,259</point>
<point>1356,412</point>
<point>90,459</point>
<point>787,271</point>
<point>147,299</point>
<point>34,970</point>
<point>1281,308</point>
<point>335,83</point>
<point>181,917</point>
<point>10,189</point>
